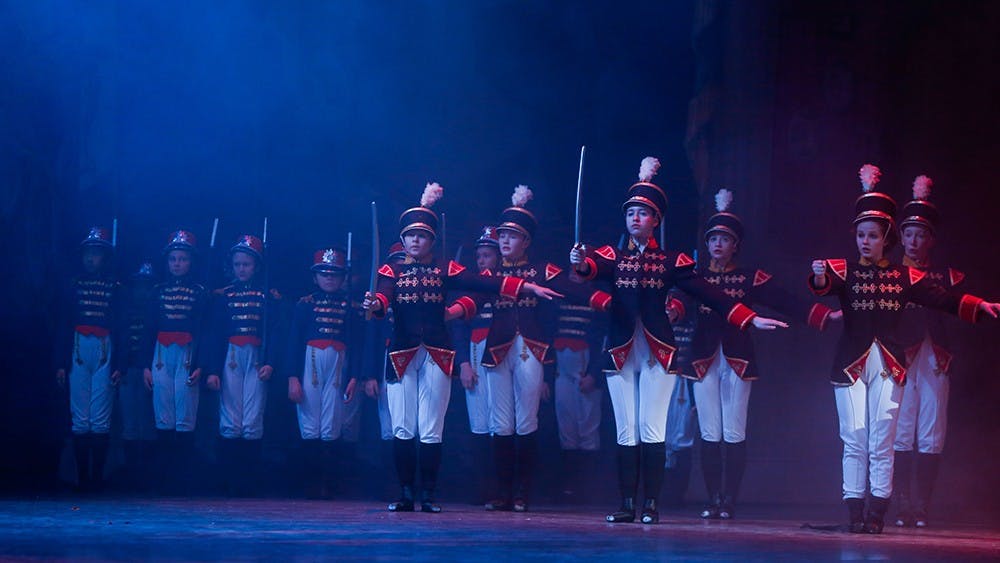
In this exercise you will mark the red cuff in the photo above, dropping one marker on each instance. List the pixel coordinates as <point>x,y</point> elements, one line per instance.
<point>820,290</point>
<point>600,301</point>
<point>385,305</point>
<point>677,305</point>
<point>968,308</point>
<point>818,315</point>
<point>511,287</point>
<point>468,305</point>
<point>592,272</point>
<point>740,315</point>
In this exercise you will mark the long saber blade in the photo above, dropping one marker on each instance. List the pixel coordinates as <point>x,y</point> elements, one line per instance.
<point>375,255</point>
<point>458,254</point>
<point>579,188</point>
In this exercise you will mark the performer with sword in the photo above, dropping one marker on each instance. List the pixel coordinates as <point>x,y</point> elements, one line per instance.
<point>642,376</point>
<point>421,356</point>
<point>243,318</point>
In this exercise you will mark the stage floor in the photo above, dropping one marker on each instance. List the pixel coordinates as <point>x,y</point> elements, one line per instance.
<point>199,529</point>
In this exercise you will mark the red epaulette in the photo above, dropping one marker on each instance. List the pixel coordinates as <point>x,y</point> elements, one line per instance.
<point>387,271</point>
<point>454,268</point>
<point>760,278</point>
<point>839,267</point>
<point>916,275</point>
<point>955,277</point>
<point>551,271</point>
<point>606,252</point>
<point>683,261</point>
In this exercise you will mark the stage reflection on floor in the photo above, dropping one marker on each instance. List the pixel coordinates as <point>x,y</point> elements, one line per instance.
<point>121,528</point>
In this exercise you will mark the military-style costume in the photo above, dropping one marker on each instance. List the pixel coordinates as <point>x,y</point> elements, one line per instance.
<point>923,414</point>
<point>641,374</point>
<point>134,398</point>
<point>317,357</point>
<point>724,366</point>
<point>421,358</point>
<point>246,321</point>
<point>518,344</point>
<point>87,348</point>
<point>869,370</point>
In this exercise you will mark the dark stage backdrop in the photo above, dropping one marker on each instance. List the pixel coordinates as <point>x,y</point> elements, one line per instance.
<point>169,115</point>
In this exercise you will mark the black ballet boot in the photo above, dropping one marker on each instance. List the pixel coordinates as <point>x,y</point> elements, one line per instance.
<point>503,456</point>
<point>676,477</point>
<point>310,467</point>
<point>711,469</point>
<point>99,452</point>
<point>329,472</point>
<point>875,521</point>
<point>405,456</point>
<point>430,461</point>
<point>735,466</point>
<point>187,464</point>
<point>527,452</point>
<point>628,483</point>
<point>482,468</point>
<point>165,462</point>
<point>902,476</point>
<point>856,515</point>
<point>81,451</point>
<point>927,472</point>
<point>654,457</point>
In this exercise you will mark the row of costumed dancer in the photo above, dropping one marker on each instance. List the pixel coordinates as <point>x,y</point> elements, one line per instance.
<point>496,327</point>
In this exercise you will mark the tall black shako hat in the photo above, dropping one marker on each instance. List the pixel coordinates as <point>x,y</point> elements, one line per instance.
<point>873,205</point>
<point>920,211</point>
<point>518,218</point>
<point>98,237</point>
<point>488,238</point>
<point>645,192</point>
<point>724,221</point>
<point>422,218</point>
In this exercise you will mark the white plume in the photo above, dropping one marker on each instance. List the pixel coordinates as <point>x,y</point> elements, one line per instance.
<point>649,167</point>
<point>922,187</point>
<point>869,175</point>
<point>432,193</point>
<point>522,195</point>
<point>723,200</point>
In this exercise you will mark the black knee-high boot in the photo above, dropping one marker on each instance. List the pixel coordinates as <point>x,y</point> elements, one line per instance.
<point>430,462</point>
<point>328,472</point>
<point>254,456</point>
<point>527,452</point>
<point>675,481</point>
<point>81,451</point>
<point>310,468</point>
<point>405,457</point>
<point>166,461</point>
<point>628,483</point>
<point>711,469</point>
<point>654,457</point>
<point>902,477</point>
<point>927,472</point>
<point>503,457</point>
<point>100,445</point>
<point>482,463</point>
<point>186,461</point>
<point>735,466</point>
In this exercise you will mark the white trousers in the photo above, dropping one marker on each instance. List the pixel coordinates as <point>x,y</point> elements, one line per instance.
<point>515,390</point>
<point>419,400</point>
<point>175,403</point>
<point>477,400</point>
<point>578,414</point>
<point>91,394</point>
<point>384,419</point>
<point>682,420</point>
<point>640,395</point>
<point>923,416</point>
<point>243,397</point>
<point>722,399</point>
<point>320,412</point>
<point>136,403</point>
<point>868,411</point>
